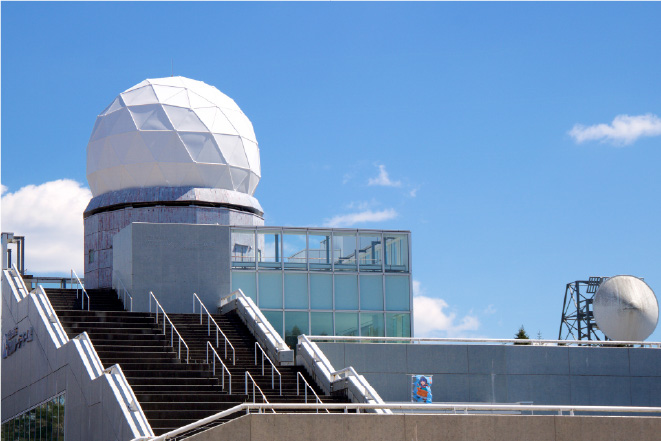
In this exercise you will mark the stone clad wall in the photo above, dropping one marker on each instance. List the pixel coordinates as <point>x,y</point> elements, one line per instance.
<point>508,374</point>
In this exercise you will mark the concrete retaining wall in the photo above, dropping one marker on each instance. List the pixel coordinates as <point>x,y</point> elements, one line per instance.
<point>350,427</point>
<point>507,373</point>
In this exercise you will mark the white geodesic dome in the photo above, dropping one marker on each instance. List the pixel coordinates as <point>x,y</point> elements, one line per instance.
<point>172,132</point>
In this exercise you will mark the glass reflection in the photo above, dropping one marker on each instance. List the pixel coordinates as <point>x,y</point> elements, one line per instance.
<point>295,248</point>
<point>319,251</point>
<point>344,251</point>
<point>370,252</point>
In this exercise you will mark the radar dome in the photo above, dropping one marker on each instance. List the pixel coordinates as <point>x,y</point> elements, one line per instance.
<point>172,132</point>
<point>625,309</point>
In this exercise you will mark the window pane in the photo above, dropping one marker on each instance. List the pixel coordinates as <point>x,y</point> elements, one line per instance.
<point>321,323</point>
<point>321,291</point>
<point>296,323</point>
<point>275,318</point>
<point>270,290</point>
<point>296,291</point>
<point>371,325</point>
<point>397,293</point>
<point>346,292</point>
<point>294,246</point>
<point>269,254</point>
<point>246,282</point>
<point>319,251</point>
<point>344,251</point>
<point>398,325</point>
<point>243,248</point>
<point>369,252</point>
<point>371,293</point>
<point>346,323</point>
<point>396,252</point>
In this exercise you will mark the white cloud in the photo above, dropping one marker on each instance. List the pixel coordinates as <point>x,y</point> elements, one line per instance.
<point>361,217</point>
<point>432,318</point>
<point>3,189</point>
<point>414,192</point>
<point>490,310</point>
<point>623,130</point>
<point>383,179</point>
<point>50,216</point>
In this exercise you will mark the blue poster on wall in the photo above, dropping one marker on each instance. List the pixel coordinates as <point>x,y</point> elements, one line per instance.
<point>421,388</point>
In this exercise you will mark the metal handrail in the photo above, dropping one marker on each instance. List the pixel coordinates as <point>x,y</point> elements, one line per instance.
<point>172,327</point>
<point>274,370</point>
<point>218,330</point>
<point>254,385</point>
<point>79,283</point>
<point>125,292</point>
<point>247,407</point>
<point>299,375</point>
<point>531,342</point>
<point>209,345</point>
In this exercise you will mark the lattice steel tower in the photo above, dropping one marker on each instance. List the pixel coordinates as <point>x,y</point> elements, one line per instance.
<point>577,314</point>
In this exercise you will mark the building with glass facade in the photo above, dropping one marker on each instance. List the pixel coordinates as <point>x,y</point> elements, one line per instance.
<point>326,281</point>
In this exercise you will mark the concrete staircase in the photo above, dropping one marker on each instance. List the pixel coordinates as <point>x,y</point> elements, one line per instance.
<point>171,392</point>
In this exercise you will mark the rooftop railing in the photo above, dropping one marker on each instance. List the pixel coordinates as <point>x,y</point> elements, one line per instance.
<point>517,342</point>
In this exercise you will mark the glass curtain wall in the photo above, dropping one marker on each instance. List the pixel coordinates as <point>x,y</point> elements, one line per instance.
<point>326,282</point>
<point>44,422</point>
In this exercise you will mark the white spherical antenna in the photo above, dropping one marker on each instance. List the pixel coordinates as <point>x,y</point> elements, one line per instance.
<point>173,132</point>
<point>626,309</point>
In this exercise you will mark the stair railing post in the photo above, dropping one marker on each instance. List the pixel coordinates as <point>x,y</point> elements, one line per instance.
<point>297,383</point>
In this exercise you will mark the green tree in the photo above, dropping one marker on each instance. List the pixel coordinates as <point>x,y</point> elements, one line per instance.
<point>522,335</point>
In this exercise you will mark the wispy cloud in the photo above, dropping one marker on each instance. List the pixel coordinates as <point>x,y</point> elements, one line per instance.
<point>50,216</point>
<point>433,317</point>
<point>624,130</point>
<point>383,179</point>
<point>489,310</point>
<point>361,217</point>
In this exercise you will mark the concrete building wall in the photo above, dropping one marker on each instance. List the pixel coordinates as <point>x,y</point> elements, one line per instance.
<point>100,229</point>
<point>507,373</point>
<point>174,261</point>
<point>51,364</point>
<point>361,427</point>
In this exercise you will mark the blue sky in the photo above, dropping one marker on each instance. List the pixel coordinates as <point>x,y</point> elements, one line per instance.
<point>464,109</point>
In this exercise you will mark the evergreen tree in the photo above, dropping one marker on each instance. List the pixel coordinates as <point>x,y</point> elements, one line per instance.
<point>521,335</point>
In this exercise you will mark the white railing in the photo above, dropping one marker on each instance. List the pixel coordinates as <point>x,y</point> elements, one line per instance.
<point>260,327</point>
<point>80,287</point>
<point>517,342</point>
<point>365,390</point>
<point>123,293</point>
<point>210,319</point>
<point>254,386</point>
<point>305,389</point>
<point>360,407</point>
<point>172,327</point>
<point>215,355</point>
<point>274,370</point>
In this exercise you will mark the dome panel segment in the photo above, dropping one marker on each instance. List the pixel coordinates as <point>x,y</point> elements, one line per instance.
<point>150,117</point>
<point>166,147</point>
<point>222,125</point>
<point>142,95</point>
<point>240,179</point>
<point>131,149</point>
<point>179,99</point>
<point>252,152</point>
<point>184,120</point>
<point>197,101</point>
<point>118,122</point>
<point>115,105</point>
<point>232,150</point>
<point>202,147</point>
<point>154,178</point>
